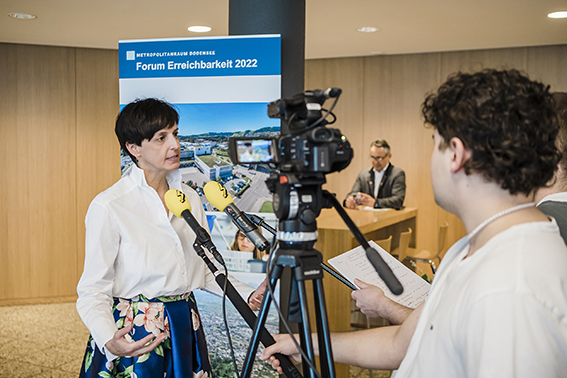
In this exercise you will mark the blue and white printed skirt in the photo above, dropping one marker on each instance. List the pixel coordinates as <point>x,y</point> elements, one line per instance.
<point>183,354</point>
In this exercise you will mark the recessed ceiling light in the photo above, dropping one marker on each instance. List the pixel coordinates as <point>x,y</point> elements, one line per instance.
<point>22,16</point>
<point>368,29</point>
<point>562,14</point>
<point>199,29</point>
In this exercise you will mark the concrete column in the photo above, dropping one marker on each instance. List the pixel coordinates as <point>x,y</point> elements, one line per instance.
<point>284,17</point>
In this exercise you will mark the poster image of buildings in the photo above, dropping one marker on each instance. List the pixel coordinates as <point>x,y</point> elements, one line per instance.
<point>204,152</point>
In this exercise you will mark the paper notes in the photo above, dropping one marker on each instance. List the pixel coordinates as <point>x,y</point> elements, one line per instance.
<point>354,264</point>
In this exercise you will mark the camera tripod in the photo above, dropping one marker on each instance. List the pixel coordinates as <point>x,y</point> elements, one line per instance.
<point>306,264</point>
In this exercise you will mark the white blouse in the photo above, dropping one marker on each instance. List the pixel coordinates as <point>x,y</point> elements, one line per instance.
<point>134,246</point>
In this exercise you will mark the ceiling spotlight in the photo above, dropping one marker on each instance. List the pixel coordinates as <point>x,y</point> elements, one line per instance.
<point>562,14</point>
<point>199,29</point>
<point>368,29</point>
<point>22,16</point>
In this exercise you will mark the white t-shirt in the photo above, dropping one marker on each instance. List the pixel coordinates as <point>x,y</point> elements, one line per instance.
<point>133,246</point>
<point>501,312</point>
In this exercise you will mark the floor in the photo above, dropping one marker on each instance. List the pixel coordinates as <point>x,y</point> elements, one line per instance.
<point>48,341</point>
<point>356,372</point>
<point>44,341</point>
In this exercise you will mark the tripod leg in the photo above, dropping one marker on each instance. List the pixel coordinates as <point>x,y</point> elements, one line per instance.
<point>323,330</point>
<point>306,340</point>
<point>260,322</point>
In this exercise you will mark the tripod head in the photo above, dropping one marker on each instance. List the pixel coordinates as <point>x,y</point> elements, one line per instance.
<point>297,200</point>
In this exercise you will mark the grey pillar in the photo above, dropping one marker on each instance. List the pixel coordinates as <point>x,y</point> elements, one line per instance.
<point>284,17</point>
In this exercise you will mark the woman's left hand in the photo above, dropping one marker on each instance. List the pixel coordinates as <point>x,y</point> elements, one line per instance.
<point>255,300</point>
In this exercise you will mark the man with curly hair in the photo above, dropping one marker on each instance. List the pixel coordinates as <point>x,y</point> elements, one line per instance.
<point>498,304</point>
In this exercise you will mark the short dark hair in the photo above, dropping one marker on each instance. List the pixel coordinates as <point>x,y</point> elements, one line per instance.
<point>381,143</point>
<point>505,119</point>
<point>141,119</point>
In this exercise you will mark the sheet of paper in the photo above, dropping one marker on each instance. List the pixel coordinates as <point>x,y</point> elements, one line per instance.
<point>354,264</point>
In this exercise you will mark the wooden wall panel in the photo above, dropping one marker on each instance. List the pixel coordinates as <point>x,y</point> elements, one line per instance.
<point>472,61</point>
<point>40,178</point>
<point>14,259</point>
<point>57,111</point>
<point>98,150</point>
<point>346,74</point>
<point>549,64</point>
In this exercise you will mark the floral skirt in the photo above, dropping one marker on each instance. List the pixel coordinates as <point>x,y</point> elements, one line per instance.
<point>183,354</point>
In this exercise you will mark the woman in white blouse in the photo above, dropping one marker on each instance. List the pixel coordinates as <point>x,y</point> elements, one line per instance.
<point>135,294</point>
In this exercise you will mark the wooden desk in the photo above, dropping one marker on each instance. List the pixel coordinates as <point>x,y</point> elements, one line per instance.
<point>373,225</point>
<point>335,238</point>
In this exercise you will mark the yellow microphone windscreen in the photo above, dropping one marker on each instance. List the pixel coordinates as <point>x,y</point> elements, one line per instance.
<point>217,195</point>
<point>176,202</point>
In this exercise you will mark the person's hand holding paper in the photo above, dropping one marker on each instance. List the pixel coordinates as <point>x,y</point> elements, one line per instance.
<point>374,304</point>
<point>354,265</point>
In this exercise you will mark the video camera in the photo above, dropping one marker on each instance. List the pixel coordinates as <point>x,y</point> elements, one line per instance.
<point>309,147</point>
<point>301,158</point>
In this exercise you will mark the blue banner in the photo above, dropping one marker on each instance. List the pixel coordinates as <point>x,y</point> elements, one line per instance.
<point>197,57</point>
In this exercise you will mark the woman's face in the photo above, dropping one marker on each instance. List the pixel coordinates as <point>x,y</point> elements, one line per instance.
<point>244,244</point>
<point>160,153</point>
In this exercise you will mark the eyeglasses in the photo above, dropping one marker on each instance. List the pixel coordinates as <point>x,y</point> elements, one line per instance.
<point>378,158</point>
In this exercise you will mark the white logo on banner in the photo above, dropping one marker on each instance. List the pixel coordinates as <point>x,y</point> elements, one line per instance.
<point>130,55</point>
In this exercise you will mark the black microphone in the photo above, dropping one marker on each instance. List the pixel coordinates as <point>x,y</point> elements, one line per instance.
<point>332,92</point>
<point>327,93</point>
<point>218,197</point>
<point>178,204</point>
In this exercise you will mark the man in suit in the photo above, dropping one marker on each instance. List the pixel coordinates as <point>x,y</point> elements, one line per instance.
<point>382,186</point>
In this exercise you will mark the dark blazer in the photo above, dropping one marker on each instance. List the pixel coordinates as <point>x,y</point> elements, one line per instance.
<point>392,188</point>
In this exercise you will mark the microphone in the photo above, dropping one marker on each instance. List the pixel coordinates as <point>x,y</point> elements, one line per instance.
<point>218,197</point>
<point>178,204</point>
<point>332,92</point>
<point>327,93</point>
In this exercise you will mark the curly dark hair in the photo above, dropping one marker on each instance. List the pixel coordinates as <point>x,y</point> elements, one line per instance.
<point>505,119</point>
<point>141,119</point>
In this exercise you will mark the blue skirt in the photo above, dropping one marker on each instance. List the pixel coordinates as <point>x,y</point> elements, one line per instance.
<point>183,354</point>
